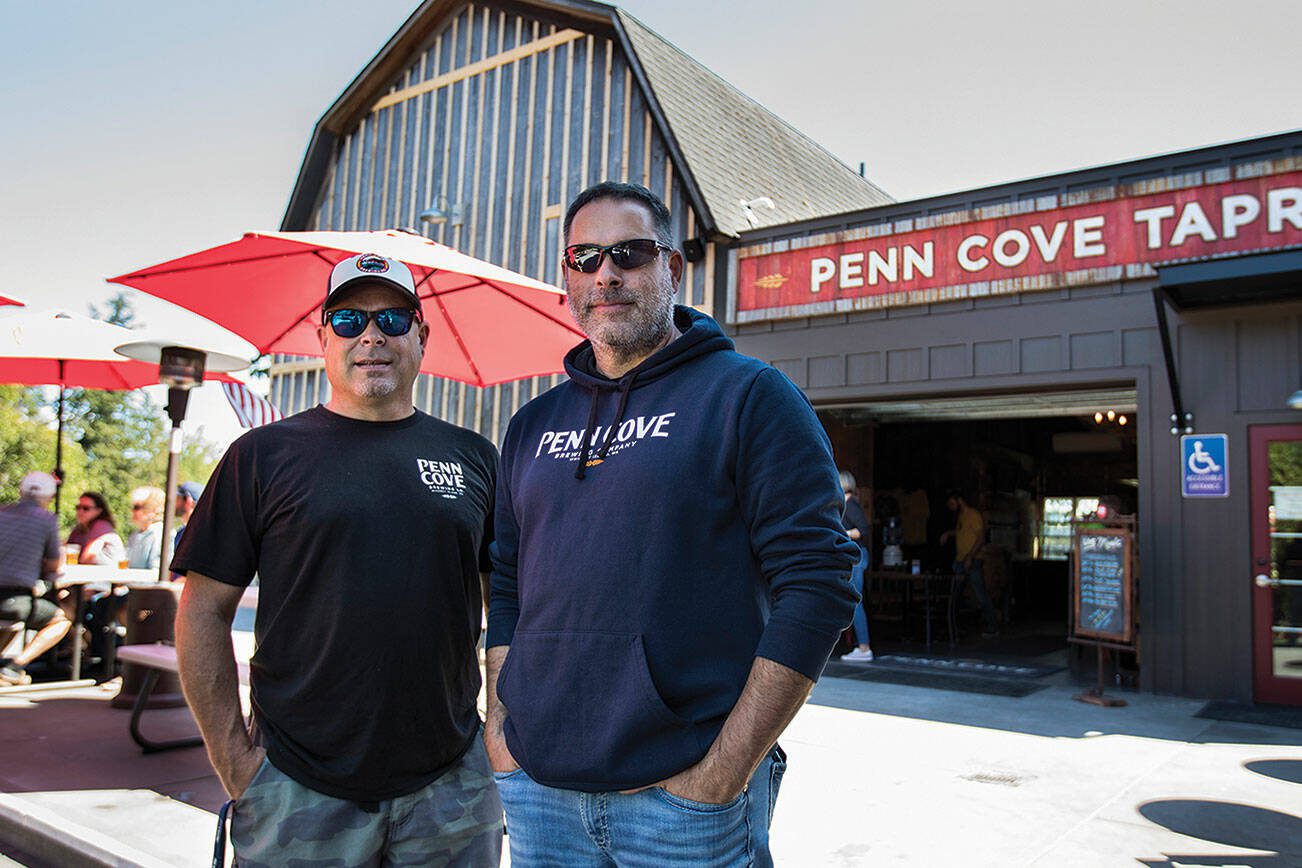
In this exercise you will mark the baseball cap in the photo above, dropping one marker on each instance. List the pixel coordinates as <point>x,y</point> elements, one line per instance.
<point>192,490</point>
<point>371,268</point>
<point>38,484</point>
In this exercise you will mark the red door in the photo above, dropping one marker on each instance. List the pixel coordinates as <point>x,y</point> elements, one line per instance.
<point>1276,458</point>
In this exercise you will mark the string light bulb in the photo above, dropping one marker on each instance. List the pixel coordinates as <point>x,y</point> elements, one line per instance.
<point>1122,420</point>
<point>1112,415</point>
<point>1098,418</point>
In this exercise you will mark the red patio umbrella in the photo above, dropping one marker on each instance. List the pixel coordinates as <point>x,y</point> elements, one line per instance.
<point>487,324</point>
<point>60,348</point>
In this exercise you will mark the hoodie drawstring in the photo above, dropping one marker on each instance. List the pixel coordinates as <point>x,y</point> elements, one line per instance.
<point>625,386</point>
<point>587,435</point>
<point>624,389</point>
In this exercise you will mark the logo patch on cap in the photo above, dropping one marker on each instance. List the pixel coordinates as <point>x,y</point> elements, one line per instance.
<point>372,263</point>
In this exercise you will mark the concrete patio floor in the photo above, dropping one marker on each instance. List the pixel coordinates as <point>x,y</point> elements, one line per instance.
<point>880,775</point>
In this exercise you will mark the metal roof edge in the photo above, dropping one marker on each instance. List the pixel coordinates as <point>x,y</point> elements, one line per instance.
<point>1233,151</point>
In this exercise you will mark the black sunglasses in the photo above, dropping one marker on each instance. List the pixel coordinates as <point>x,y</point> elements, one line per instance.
<point>349,322</point>
<point>634,253</point>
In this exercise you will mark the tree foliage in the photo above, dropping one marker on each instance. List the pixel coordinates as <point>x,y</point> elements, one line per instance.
<point>113,441</point>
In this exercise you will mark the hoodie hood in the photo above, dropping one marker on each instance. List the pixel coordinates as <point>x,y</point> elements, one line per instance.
<point>699,334</point>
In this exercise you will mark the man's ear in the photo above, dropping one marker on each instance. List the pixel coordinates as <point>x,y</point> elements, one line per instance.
<point>676,268</point>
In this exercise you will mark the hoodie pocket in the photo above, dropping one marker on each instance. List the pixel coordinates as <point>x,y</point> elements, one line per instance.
<point>585,712</point>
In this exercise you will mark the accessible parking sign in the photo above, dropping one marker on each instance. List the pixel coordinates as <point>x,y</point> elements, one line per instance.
<point>1204,470</point>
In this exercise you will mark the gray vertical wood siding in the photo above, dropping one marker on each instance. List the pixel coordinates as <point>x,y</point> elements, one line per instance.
<point>514,144</point>
<point>1237,366</point>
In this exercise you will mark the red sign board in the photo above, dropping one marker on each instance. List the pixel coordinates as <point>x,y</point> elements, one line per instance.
<point>1113,233</point>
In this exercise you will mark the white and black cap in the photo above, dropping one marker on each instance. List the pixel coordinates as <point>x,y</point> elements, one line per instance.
<point>371,268</point>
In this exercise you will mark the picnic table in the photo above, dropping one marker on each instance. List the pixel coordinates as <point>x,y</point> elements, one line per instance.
<point>100,577</point>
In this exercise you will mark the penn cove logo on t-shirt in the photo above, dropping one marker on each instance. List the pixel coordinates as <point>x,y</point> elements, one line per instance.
<point>445,478</point>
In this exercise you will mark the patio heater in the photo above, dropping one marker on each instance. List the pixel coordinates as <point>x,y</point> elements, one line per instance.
<point>180,369</point>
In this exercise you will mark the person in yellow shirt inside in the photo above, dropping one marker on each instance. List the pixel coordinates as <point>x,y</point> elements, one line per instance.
<point>969,536</point>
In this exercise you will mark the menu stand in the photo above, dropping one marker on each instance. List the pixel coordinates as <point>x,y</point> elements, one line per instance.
<point>1102,599</point>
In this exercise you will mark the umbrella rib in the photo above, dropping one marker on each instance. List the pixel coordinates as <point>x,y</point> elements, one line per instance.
<point>559,322</point>
<point>301,317</point>
<point>479,378</point>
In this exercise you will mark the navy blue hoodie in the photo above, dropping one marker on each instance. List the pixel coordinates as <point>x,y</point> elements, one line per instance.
<point>654,535</point>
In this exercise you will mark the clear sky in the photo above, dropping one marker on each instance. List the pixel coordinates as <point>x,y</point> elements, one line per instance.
<point>134,132</point>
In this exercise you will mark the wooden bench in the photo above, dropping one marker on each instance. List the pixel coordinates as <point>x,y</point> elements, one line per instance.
<point>155,660</point>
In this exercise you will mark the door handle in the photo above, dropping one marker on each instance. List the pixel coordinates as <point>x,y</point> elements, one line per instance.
<point>1265,581</point>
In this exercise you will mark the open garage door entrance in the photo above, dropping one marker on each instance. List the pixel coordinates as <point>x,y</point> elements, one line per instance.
<point>1031,462</point>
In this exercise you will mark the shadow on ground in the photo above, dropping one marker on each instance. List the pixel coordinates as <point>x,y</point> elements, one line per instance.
<point>1050,712</point>
<point>74,740</point>
<point>1276,834</point>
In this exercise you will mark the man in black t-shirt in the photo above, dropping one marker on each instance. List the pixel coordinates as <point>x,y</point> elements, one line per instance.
<point>368,525</point>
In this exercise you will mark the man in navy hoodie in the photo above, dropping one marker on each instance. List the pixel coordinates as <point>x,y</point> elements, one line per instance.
<point>670,571</point>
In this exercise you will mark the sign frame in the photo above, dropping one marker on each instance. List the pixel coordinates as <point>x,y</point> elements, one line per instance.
<point>1127,634</point>
<point>1102,234</point>
<point>1188,475</point>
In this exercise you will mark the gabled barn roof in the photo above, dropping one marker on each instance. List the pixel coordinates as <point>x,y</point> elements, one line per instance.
<point>726,147</point>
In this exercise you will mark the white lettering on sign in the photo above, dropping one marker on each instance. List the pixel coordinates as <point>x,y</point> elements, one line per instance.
<point>879,267</point>
<point>1179,223</point>
<point>1154,217</point>
<point>1238,211</point>
<point>1021,247</point>
<point>851,270</point>
<point>923,263</point>
<point>1050,245</point>
<point>970,243</point>
<point>1087,237</point>
<point>1283,204</point>
<point>821,270</point>
<point>1193,221</point>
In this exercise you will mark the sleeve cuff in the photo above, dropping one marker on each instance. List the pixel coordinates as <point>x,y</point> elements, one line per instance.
<point>797,647</point>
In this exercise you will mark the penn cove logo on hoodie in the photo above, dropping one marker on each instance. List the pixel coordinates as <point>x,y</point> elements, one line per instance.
<point>444,478</point>
<point>567,445</point>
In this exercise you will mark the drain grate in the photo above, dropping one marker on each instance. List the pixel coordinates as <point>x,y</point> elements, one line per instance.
<point>1003,779</point>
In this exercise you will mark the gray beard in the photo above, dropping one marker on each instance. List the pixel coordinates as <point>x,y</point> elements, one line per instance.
<point>636,339</point>
<point>376,389</point>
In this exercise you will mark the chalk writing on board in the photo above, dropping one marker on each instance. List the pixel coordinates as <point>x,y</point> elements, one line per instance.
<point>1102,585</point>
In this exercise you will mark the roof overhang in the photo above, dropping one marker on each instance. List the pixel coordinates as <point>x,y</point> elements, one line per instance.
<point>962,408</point>
<point>1256,279</point>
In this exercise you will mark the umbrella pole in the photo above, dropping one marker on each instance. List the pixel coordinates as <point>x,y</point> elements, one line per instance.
<point>58,447</point>
<point>177,399</point>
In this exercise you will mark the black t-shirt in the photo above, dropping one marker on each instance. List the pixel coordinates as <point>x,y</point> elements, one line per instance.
<point>367,538</point>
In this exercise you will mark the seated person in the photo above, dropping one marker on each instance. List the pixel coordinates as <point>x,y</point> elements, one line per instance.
<point>96,533</point>
<point>145,545</point>
<point>29,552</point>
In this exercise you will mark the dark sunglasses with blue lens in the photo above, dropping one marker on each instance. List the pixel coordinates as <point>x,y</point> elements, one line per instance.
<point>349,322</point>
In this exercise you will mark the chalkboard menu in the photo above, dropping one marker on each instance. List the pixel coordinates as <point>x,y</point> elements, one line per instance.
<point>1101,585</point>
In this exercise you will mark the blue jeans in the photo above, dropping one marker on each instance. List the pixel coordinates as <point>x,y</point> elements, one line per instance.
<point>860,615</point>
<point>976,581</point>
<point>546,826</point>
